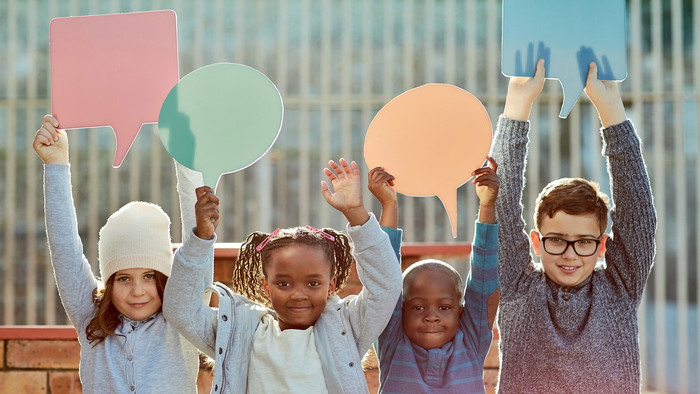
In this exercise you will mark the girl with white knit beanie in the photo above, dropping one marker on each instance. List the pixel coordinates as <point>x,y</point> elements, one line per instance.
<point>126,344</point>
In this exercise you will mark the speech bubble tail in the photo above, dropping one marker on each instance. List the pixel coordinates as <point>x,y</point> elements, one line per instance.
<point>571,95</point>
<point>125,138</point>
<point>212,180</point>
<point>449,201</point>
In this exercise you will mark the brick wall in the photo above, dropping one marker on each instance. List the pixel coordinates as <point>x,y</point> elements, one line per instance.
<point>44,359</point>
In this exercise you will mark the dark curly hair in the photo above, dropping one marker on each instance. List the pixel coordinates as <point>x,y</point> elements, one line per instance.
<point>250,267</point>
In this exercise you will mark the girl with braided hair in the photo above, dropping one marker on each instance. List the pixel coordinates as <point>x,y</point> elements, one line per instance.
<point>282,328</point>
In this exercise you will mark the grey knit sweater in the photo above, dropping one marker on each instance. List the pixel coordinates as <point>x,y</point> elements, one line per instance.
<point>581,339</point>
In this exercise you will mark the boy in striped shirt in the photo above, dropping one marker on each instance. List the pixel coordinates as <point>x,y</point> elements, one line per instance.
<point>440,332</point>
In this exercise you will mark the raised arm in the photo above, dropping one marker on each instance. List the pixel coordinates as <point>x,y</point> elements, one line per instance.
<point>74,277</point>
<point>381,184</point>
<point>183,304</point>
<point>510,152</point>
<point>377,268</point>
<point>630,250</point>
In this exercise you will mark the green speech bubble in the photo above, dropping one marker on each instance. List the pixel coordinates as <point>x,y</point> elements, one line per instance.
<point>220,118</point>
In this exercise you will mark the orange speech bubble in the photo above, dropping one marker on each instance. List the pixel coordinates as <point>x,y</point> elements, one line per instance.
<point>430,139</point>
<point>113,70</point>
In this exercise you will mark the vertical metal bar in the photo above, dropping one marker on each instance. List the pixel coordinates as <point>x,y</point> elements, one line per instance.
<point>659,193</point>
<point>30,159</point>
<point>696,81</point>
<point>115,184</point>
<point>470,68</point>
<point>49,284</point>
<point>326,38</point>
<point>282,63</point>
<point>10,167</point>
<point>304,107</point>
<point>430,213</point>
<point>635,81</point>
<point>409,212</point>
<point>93,185</point>
<point>263,168</point>
<point>238,202</point>
<point>367,80</point>
<point>554,124</point>
<point>346,82</point>
<point>575,142</point>
<point>680,195</point>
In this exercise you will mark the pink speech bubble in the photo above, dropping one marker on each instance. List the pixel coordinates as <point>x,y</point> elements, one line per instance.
<point>430,139</point>
<point>113,70</point>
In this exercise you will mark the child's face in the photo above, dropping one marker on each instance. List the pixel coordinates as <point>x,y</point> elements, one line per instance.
<point>431,309</point>
<point>298,282</point>
<point>568,269</point>
<point>134,293</point>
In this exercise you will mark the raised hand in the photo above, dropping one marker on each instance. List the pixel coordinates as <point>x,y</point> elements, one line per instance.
<point>487,185</point>
<point>522,92</point>
<point>206,211</point>
<point>347,191</point>
<point>51,143</point>
<point>380,184</point>
<point>605,96</point>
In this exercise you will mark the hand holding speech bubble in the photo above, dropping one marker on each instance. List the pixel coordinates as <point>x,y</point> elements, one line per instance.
<point>112,70</point>
<point>220,118</point>
<point>430,139</point>
<point>569,35</point>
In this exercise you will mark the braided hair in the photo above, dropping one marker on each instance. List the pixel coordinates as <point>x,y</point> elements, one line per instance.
<point>250,267</point>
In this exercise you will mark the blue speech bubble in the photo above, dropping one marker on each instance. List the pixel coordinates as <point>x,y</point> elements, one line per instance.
<point>220,118</point>
<point>568,35</point>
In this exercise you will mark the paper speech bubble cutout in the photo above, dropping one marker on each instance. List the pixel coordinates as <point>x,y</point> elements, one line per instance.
<point>569,35</point>
<point>112,70</point>
<point>220,118</point>
<point>430,139</point>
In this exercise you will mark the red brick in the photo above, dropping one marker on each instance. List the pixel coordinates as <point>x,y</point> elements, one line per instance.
<point>26,382</point>
<point>490,380</point>
<point>61,354</point>
<point>65,382</point>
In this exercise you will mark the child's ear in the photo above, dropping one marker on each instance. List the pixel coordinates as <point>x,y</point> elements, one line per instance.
<point>602,247</point>
<point>535,240</point>
<point>265,286</point>
<point>331,287</point>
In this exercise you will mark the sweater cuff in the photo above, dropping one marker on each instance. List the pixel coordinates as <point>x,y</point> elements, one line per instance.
<point>366,235</point>
<point>395,235</point>
<point>515,126</point>
<point>616,138</point>
<point>486,235</point>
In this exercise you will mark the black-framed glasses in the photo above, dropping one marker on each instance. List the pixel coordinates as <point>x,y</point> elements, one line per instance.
<point>583,247</point>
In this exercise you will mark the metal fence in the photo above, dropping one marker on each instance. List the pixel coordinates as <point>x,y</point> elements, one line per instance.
<point>336,63</point>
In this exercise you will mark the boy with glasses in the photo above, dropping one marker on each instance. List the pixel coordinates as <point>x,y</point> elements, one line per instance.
<point>569,324</point>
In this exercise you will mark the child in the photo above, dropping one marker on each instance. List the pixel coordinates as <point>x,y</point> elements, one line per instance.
<point>567,325</point>
<point>126,344</point>
<point>439,335</point>
<point>310,340</point>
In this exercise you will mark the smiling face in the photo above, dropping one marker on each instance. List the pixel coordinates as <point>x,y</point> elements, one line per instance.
<point>431,309</point>
<point>135,293</point>
<point>298,282</point>
<point>568,269</point>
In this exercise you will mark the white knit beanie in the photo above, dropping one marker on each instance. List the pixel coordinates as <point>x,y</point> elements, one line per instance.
<point>136,236</point>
